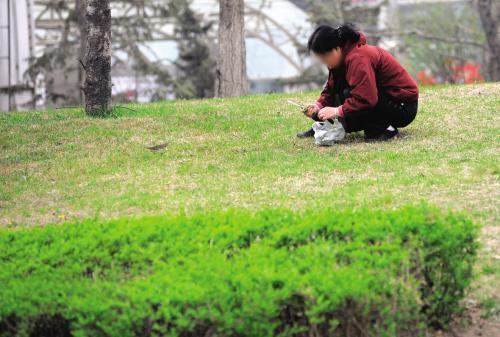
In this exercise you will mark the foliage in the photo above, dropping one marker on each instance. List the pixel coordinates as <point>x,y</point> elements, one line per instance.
<point>237,273</point>
<point>424,78</point>
<point>195,64</point>
<point>453,37</point>
<point>468,73</point>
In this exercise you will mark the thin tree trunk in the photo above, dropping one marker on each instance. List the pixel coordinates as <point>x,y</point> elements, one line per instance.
<point>231,74</point>
<point>491,25</point>
<point>97,86</point>
<point>80,10</point>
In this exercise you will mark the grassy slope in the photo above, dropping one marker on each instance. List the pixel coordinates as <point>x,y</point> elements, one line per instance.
<point>243,152</point>
<point>60,165</point>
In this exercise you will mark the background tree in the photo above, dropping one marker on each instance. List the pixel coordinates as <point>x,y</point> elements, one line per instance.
<point>60,60</point>
<point>444,40</point>
<point>341,11</point>
<point>59,63</point>
<point>231,74</point>
<point>489,12</point>
<point>81,20</point>
<point>97,87</point>
<point>195,65</point>
<point>440,39</point>
<point>132,29</point>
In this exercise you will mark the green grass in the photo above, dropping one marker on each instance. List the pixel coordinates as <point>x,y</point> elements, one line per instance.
<point>491,307</point>
<point>60,165</point>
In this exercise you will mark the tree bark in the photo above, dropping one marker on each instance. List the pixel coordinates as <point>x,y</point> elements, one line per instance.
<point>231,73</point>
<point>491,26</point>
<point>97,87</point>
<point>80,10</point>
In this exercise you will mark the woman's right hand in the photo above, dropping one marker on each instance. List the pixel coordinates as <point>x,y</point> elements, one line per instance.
<point>311,110</point>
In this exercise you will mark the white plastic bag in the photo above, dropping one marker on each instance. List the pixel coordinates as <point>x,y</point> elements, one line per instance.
<point>326,133</point>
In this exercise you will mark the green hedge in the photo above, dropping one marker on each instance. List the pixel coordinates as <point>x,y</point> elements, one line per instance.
<point>272,273</point>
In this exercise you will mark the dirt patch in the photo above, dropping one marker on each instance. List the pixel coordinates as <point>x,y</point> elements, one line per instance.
<point>471,324</point>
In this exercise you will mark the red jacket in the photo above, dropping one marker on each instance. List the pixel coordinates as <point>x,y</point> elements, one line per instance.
<point>368,70</point>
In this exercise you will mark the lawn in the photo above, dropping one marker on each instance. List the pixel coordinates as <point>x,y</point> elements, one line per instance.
<point>58,165</point>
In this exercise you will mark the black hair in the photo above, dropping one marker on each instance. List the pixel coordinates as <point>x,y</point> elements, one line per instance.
<point>326,37</point>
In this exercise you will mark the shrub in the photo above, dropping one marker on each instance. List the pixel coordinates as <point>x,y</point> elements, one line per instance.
<point>237,273</point>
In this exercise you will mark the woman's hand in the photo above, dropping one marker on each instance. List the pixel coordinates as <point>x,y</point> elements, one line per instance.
<point>311,110</point>
<point>328,113</point>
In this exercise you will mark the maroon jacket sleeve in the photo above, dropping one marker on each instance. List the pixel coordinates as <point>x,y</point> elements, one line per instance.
<point>326,98</point>
<point>361,78</point>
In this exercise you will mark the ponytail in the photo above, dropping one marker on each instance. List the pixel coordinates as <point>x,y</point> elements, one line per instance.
<point>325,37</point>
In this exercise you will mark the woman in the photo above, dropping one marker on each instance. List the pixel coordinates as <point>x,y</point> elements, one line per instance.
<point>367,88</point>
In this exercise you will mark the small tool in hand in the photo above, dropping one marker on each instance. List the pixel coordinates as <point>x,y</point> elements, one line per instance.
<point>305,108</point>
<point>302,107</point>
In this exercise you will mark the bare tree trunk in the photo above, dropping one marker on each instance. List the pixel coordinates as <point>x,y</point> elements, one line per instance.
<point>231,74</point>
<point>80,10</point>
<point>97,86</point>
<point>491,26</point>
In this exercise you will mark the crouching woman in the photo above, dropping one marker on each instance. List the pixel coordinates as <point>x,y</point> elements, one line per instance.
<point>367,89</point>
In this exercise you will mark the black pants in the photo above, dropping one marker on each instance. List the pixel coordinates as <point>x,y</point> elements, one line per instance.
<point>387,112</point>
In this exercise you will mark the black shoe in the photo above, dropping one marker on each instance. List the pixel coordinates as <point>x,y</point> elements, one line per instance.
<point>381,137</point>
<point>306,134</point>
